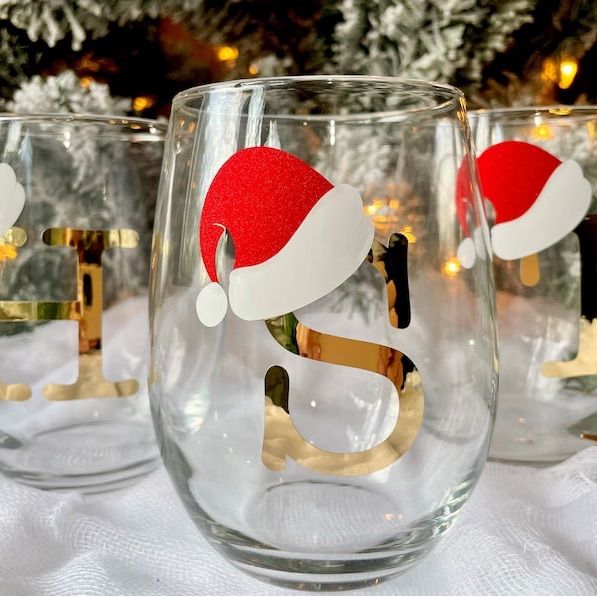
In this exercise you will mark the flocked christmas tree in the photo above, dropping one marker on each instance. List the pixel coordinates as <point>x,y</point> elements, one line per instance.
<point>499,51</point>
<point>123,56</point>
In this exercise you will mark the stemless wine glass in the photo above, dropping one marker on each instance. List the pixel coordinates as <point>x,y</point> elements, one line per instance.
<point>324,429</point>
<point>77,197</point>
<point>538,169</point>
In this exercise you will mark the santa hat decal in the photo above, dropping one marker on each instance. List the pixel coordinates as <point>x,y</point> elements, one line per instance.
<point>537,198</point>
<point>296,236</point>
<point>12,198</point>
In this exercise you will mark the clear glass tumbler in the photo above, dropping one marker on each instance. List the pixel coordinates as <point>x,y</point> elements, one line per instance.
<point>322,371</point>
<point>538,170</point>
<point>77,198</point>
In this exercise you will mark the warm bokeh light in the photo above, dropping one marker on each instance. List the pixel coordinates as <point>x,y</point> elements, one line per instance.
<point>85,81</point>
<point>253,69</point>
<point>8,252</point>
<point>408,232</point>
<point>568,70</point>
<point>451,267</point>
<point>227,53</point>
<point>377,208</point>
<point>549,72</point>
<point>394,208</point>
<point>542,132</point>
<point>142,102</point>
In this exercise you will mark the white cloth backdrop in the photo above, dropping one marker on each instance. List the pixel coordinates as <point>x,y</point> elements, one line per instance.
<point>524,531</point>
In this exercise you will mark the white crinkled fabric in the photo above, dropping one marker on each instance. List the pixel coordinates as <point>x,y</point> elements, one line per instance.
<point>524,531</point>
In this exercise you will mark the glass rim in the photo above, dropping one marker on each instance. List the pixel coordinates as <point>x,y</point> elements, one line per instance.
<point>133,123</point>
<point>452,96</point>
<point>551,111</point>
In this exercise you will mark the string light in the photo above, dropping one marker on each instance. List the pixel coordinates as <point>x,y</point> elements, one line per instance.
<point>227,53</point>
<point>7,252</point>
<point>563,71</point>
<point>542,132</point>
<point>387,213</point>
<point>142,102</point>
<point>549,72</point>
<point>451,267</point>
<point>408,232</point>
<point>568,70</point>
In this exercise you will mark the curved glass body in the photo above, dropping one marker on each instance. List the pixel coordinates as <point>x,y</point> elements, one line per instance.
<point>324,428</point>
<point>547,301</point>
<point>77,203</point>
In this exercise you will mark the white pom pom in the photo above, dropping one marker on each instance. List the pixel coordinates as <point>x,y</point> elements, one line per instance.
<point>466,253</point>
<point>211,305</point>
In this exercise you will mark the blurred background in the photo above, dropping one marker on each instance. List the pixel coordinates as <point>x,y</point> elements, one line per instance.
<point>132,56</point>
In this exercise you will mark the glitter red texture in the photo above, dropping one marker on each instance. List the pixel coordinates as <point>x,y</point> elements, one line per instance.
<point>513,174</point>
<point>260,196</point>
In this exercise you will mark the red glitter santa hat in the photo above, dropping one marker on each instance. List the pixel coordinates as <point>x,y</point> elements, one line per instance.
<point>296,236</point>
<point>537,199</point>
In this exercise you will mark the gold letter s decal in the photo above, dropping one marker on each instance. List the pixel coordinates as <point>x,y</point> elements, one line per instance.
<point>281,437</point>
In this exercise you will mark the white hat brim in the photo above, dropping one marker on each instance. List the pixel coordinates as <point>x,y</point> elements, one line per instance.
<point>559,208</point>
<point>326,249</point>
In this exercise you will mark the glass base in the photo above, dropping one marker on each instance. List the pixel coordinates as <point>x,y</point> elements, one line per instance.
<point>326,544</point>
<point>90,458</point>
<point>540,432</point>
<point>326,575</point>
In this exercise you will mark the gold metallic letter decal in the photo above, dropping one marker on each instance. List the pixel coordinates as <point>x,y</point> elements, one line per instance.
<point>530,274</point>
<point>10,241</point>
<point>281,437</point>
<point>585,362</point>
<point>87,310</point>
